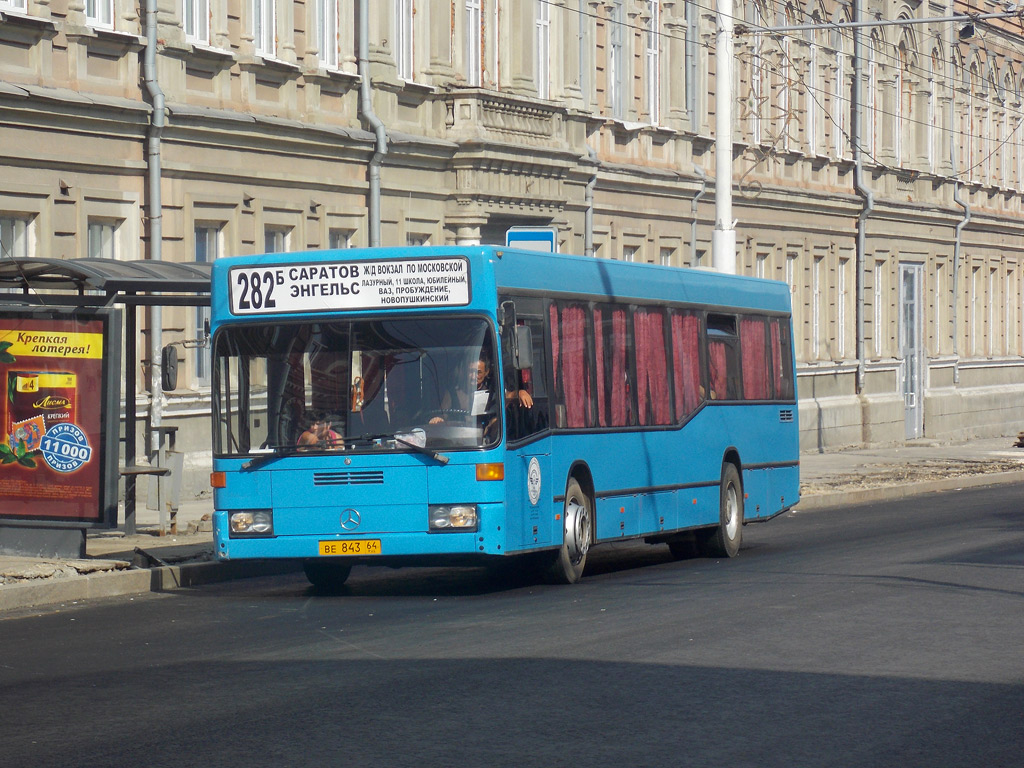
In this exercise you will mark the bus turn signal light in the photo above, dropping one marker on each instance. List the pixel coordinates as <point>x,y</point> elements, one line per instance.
<point>494,471</point>
<point>218,480</point>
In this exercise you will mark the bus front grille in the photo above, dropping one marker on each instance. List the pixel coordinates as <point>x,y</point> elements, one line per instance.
<point>354,477</point>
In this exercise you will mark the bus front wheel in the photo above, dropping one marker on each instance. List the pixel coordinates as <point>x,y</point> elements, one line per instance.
<point>577,533</point>
<point>324,575</point>
<point>725,540</point>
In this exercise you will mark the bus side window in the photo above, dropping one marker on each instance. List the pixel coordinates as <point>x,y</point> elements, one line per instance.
<point>521,422</point>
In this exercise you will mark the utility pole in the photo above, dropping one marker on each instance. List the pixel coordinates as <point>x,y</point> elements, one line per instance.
<point>723,239</point>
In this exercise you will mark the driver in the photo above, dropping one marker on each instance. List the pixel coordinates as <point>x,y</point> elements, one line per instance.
<point>473,393</point>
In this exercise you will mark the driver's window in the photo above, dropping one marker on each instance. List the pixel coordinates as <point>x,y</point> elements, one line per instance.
<point>525,415</point>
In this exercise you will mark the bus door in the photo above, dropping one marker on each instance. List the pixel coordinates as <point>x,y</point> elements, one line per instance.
<point>530,486</point>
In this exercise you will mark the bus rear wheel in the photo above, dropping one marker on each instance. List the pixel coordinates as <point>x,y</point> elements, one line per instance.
<point>577,534</point>
<point>725,540</point>
<point>326,576</point>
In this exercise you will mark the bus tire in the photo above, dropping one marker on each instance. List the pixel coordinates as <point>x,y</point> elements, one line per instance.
<point>577,534</point>
<point>726,538</point>
<point>326,576</point>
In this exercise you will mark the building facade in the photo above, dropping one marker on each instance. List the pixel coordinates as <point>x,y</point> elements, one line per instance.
<point>193,129</point>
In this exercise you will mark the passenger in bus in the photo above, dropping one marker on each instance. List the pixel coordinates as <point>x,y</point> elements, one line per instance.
<point>318,433</point>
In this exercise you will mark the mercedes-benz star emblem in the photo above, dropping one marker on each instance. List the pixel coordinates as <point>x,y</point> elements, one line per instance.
<point>350,519</point>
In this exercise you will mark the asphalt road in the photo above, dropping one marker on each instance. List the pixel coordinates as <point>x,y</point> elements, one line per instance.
<point>885,635</point>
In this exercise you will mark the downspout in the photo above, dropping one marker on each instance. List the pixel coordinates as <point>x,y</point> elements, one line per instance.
<point>156,128</point>
<point>366,109</point>
<point>861,188</point>
<point>958,239</point>
<point>694,203</point>
<point>588,215</point>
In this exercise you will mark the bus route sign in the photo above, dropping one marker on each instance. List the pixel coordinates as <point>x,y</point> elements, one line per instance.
<point>332,286</point>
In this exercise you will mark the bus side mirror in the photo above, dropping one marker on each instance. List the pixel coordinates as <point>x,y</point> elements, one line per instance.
<point>523,352</point>
<point>169,368</point>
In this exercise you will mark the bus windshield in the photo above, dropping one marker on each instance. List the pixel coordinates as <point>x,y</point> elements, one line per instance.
<point>356,385</point>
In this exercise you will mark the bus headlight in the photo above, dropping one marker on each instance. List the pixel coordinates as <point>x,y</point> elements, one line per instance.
<point>252,522</point>
<point>453,517</point>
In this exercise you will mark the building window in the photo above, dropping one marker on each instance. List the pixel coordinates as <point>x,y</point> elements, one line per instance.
<point>417,239</point>
<point>13,238</point>
<point>264,27</point>
<point>327,32</point>
<point>841,108</point>
<point>879,314</point>
<point>275,239</point>
<point>543,51</point>
<point>842,297</point>
<point>816,297</point>
<point>616,61</point>
<point>403,39</point>
<point>339,238</point>
<point>102,239</point>
<point>652,60</point>
<point>474,42</point>
<point>197,21</point>
<point>207,249</point>
<point>18,5</point>
<point>100,13</point>
<point>812,102</point>
<point>630,252</point>
<point>667,255</point>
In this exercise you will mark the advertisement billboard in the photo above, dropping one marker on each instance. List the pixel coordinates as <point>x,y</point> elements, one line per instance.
<point>59,421</point>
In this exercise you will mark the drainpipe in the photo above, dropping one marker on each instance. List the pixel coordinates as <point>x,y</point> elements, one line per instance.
<point>957,241</point>
<point>588,216</point>
<point>693,210</point>
<point>366,109</point>
<point>155,223</point>
<point>861,188</point>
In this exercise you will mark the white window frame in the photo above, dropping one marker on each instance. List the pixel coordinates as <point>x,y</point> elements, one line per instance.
<point>195,18</point>
<point>99,13</point>
<point>617,59</point>
<point>403,39</point>
<point>14,236</point>
<point>101,238</point>
<point>339,238</point>
<point>879,309</point>
<point>816,291</point>
<point>15,5</point>
<point>542,49</point>
<point>327,24</point>
<point>841,109</point>
<point>474,42</point>
<point>264,27</point>
<point>666,255</point>
<point>813,104</point>
<point>276,238</point>
<point>417,239</point>
<point>206,247</point>
<point>652,62</point>
<point>842,297</point>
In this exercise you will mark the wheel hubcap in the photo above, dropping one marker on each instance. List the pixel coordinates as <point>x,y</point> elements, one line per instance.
<point>732,518</point>
<point>577,530</point>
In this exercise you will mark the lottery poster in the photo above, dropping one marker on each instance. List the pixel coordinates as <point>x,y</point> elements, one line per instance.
<point>52,448</point>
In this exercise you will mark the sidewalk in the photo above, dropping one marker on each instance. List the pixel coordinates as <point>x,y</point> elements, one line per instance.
<point>116,564</point>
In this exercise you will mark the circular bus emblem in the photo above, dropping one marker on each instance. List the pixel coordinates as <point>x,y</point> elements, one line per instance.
<point>350,519</point>
<point>533,481</point>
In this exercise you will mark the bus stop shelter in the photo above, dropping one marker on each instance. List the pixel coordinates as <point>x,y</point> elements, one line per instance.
<point>110,283</point>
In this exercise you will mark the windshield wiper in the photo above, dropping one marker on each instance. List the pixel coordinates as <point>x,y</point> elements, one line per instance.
<point>440,458</point>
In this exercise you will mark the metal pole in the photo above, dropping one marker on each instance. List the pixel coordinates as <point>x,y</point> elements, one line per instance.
<point>723,240</point>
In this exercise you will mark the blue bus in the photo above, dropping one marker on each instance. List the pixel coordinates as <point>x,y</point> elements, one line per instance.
<point>468,405</point>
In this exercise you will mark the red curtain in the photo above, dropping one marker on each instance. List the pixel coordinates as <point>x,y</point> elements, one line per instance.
<point>651,367</point>
<point>620,394</point>
<point>776,357</point>
<point>574,369</point>
<point>686,362</point>
<point>755,367</point>
<point>717,364</point>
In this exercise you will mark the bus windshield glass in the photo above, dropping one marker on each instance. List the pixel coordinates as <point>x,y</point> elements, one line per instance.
<point>356,385</point>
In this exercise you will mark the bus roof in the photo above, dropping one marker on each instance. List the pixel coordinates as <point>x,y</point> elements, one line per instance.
<point>525,271</point>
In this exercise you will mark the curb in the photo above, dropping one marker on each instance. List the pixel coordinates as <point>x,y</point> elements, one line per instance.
<point>897,492</point>
<point>136,582</point>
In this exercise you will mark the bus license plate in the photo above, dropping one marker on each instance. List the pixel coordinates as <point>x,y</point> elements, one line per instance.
<point>352,547</point>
